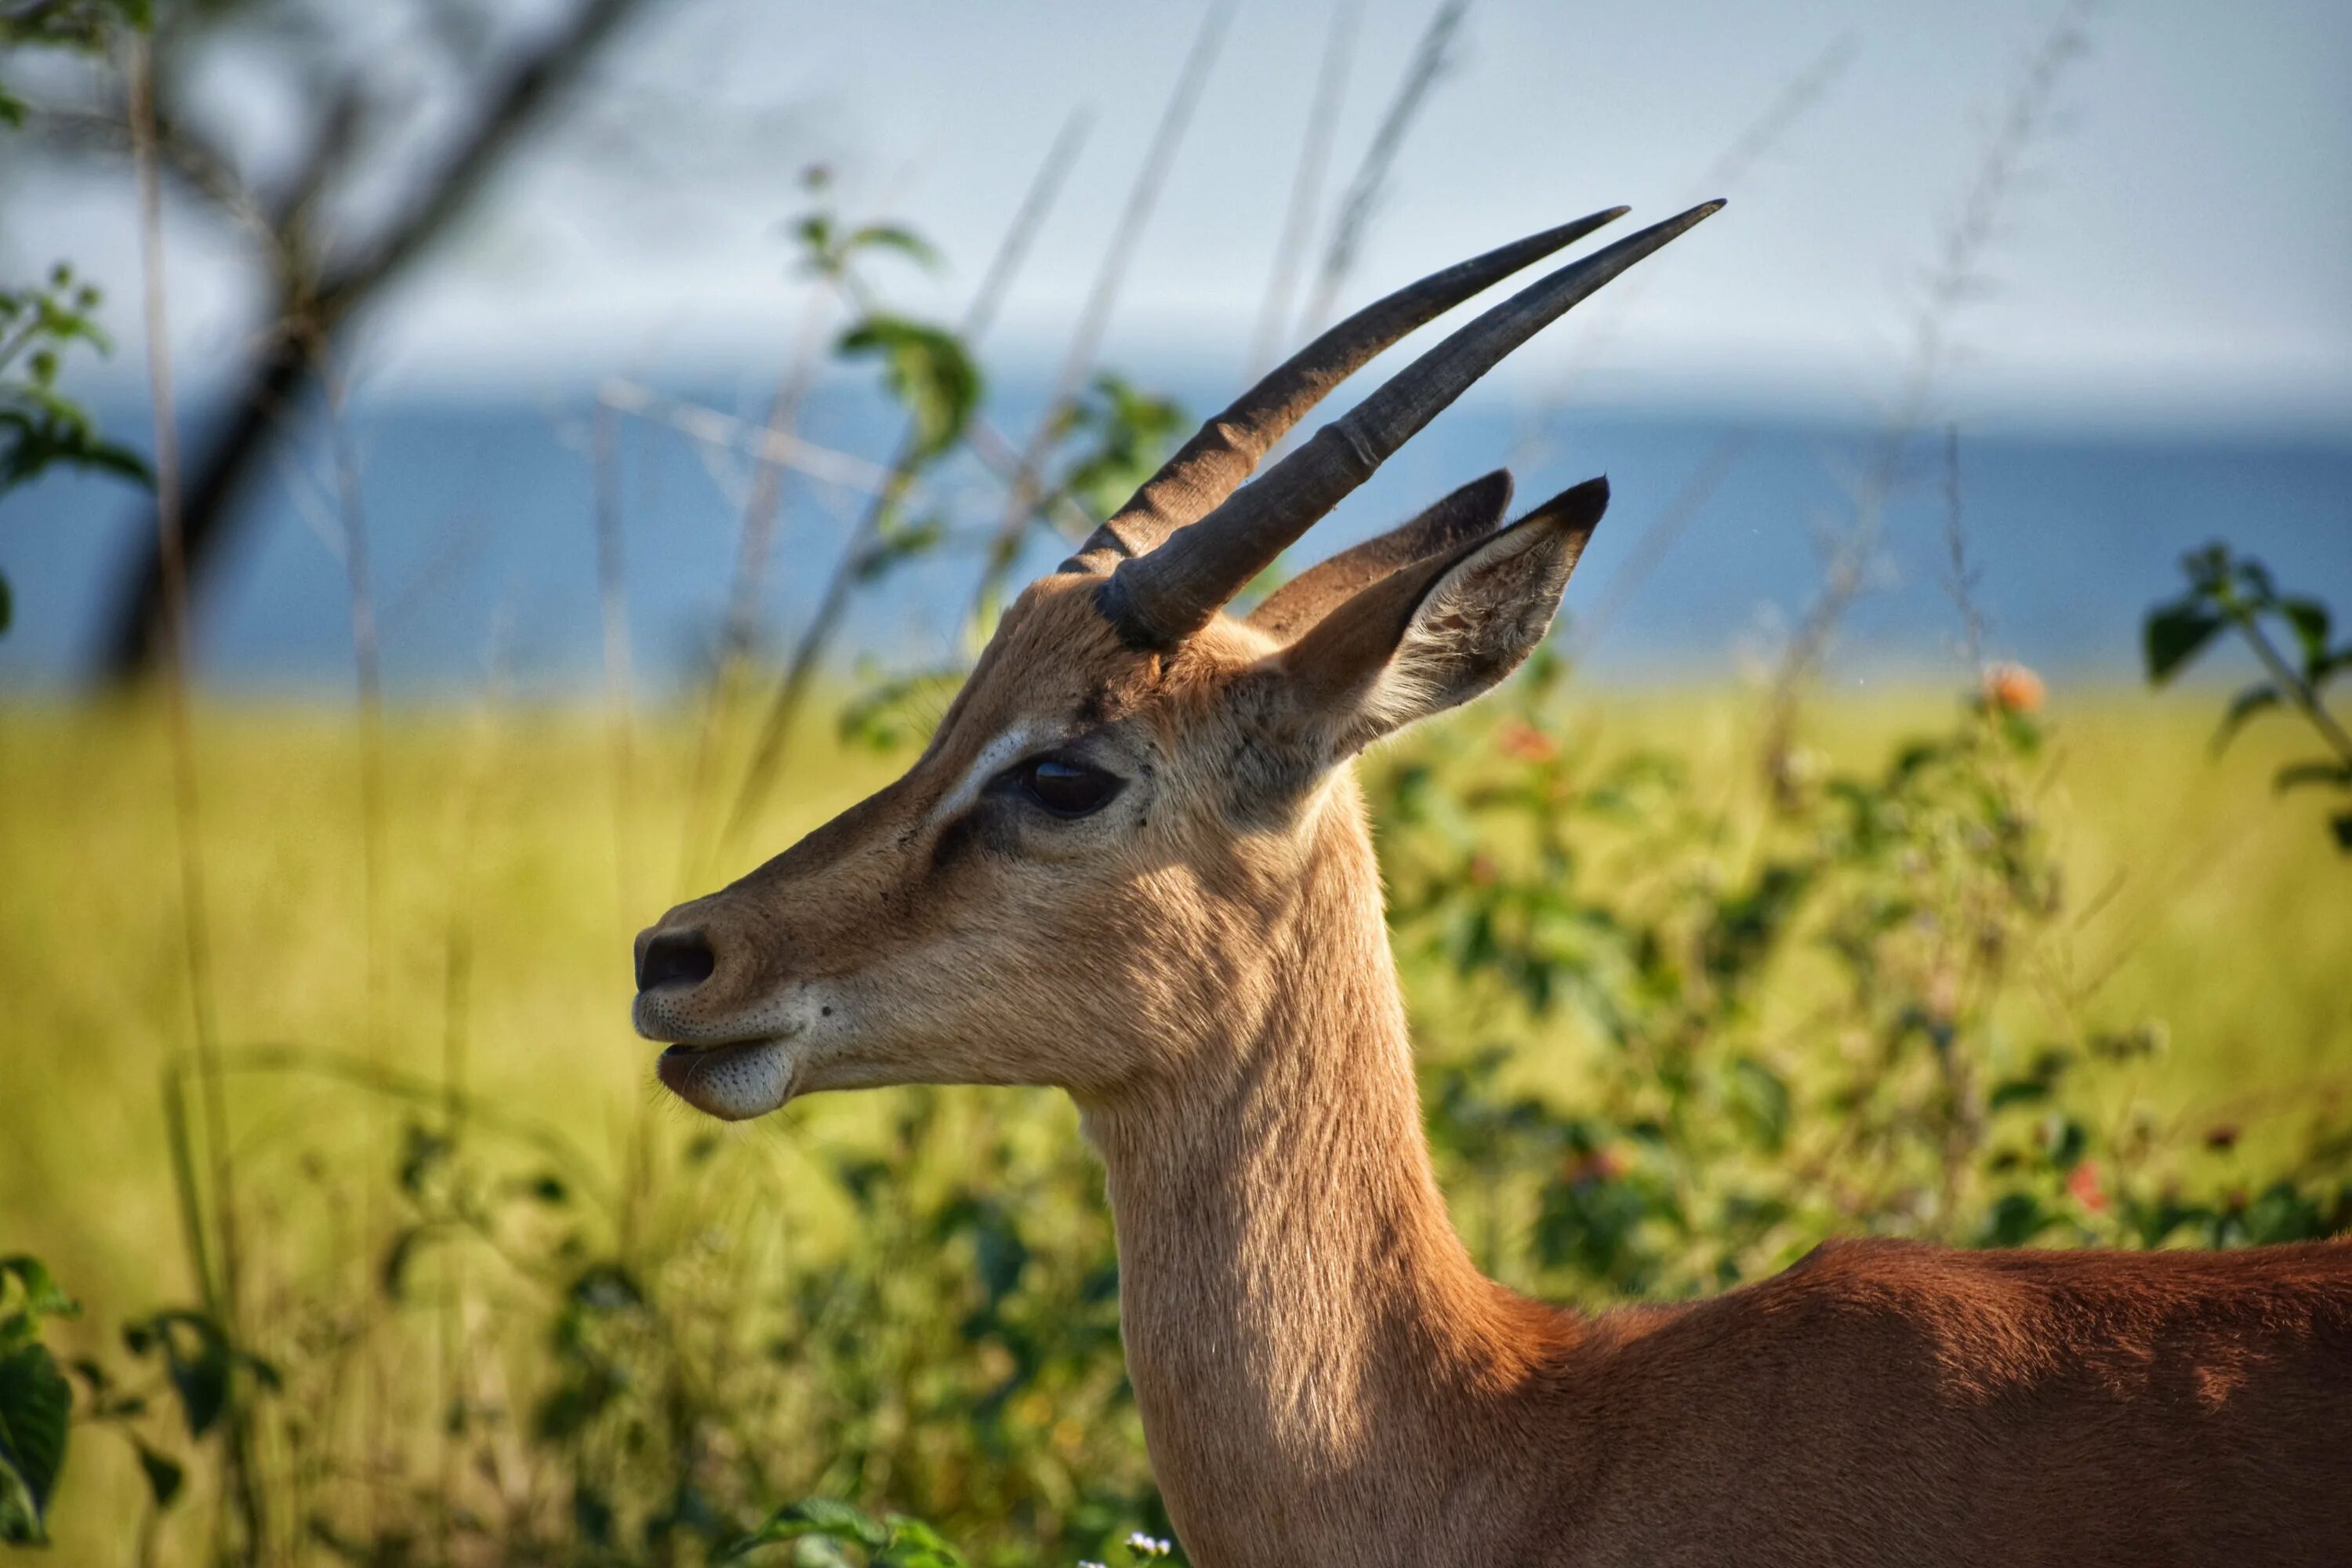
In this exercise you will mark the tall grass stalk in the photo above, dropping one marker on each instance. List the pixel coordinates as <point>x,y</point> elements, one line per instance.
<point>1956,277</point>
<point>1593,330</point>
<point>1432,58</point>
<point>762,509</point>
<point>457,1050</point>
<point>1664,529</point>
<point>1272,327</point>
<point>824,621</point>
<point>219,1269</point>
<point>1024,502</point>
<point>377,1140</point>
<point>620,681</point>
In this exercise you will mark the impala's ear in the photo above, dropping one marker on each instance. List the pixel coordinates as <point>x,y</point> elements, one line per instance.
<point>1435,635</point>
<point>1471,513</point>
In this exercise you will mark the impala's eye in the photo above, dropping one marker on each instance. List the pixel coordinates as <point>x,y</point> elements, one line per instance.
<point>1066,786</point>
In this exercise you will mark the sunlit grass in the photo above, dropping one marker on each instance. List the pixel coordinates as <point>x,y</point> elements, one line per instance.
<point>2193,898</point>
<point>2198,901</point>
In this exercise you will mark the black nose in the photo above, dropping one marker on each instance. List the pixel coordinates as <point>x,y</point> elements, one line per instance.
<point>674,958</point>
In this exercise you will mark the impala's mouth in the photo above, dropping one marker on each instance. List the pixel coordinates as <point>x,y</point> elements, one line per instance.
<point>732,1082</point>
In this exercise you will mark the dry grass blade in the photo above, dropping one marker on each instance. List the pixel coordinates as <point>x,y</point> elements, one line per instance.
<point>620,679</point>
<point>219,1268</point>
<point>1797,97</point>
<point>1305,188</point>
<point>1027,495</point>
<point>1658,539</point>
<point>800,669</point>
<point>1958,277</point>
<point>1432,58</point>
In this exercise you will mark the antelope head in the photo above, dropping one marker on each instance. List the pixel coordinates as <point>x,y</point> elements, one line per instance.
<point>1080,881</point>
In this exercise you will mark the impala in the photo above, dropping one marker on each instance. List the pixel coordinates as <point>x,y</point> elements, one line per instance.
<point>1134,863</point>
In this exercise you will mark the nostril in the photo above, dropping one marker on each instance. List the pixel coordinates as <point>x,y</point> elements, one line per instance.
<point>675,958</point>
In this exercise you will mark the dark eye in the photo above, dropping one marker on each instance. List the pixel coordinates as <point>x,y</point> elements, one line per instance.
<point>1066,786</point>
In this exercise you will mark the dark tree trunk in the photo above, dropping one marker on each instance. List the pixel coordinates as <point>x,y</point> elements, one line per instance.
<point>218,481</point>
<point>221,477</point>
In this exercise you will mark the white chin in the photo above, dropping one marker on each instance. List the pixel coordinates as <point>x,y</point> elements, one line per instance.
<point>733,1083</point>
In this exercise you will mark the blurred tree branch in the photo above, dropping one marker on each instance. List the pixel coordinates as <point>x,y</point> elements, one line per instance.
<point>320,277</point>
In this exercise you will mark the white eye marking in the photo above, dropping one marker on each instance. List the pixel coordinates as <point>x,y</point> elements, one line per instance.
<point>993,758</point>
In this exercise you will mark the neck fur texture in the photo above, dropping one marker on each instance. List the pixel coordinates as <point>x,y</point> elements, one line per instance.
<point>1312,1349</point>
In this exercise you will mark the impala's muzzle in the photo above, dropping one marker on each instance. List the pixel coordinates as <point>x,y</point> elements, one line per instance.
<point>700,992</point>
<point>673,960</point>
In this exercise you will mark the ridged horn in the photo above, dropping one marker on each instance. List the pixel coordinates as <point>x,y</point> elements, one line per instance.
<point>1214,463</point>
<point>1471,513</point>
<point>1159,599</point>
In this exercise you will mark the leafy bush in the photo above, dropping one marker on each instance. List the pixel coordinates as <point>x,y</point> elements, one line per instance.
<point>1673,1034</point>
<point>2232,593</point>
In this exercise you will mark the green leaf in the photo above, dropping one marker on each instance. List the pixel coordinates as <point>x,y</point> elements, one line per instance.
<point>2017,1091</point>
<point>825,1518</point>
<point>2295,775</point>
<point>2309,618</point>
<point>549,1189</point>
<point>899,542</point>
<point>892,236</point>
<point>202,1383</point>
<point>1131,430</point>
<point>606,1286</point>
<point>197,1361</point>
<point>900,711</point>
<point>1761,1099</point>
<point>163,1476</point>
<point>2016,1219</point>
<point>928,370</point>
<point>2173,636</point>
<point>42,1296</point>
<point>914,1545</point>
<point>815,234</point>
<point>2253,699</point>
<point>36,1404</point>
<point>392,1277</point>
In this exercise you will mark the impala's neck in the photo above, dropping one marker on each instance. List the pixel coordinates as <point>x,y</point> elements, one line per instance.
<point>1310,1345</point>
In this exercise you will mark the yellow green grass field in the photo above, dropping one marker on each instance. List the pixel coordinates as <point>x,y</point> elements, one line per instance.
<point>516,865</point>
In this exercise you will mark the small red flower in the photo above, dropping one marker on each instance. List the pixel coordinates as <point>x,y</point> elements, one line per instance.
<point>2083,1182</point>
<point>1517,738</point>
<point>2014,689</point>
<point>1599,1166</point>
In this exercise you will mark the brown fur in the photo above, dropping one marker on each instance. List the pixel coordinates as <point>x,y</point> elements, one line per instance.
<point>1323,1375</point>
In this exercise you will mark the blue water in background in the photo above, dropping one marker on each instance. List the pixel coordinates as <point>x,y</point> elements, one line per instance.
<point>479,512</point>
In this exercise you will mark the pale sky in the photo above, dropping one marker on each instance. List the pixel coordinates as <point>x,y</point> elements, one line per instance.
<point>2180,246</point>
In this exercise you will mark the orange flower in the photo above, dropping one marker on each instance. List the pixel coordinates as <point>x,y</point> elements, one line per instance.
<point>2014,689</point>
<point>1602,1165</point>
<point>1517,738</point>
<point>2083,1182</point>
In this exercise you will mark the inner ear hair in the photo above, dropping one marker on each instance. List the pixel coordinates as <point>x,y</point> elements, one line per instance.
<point>1435,635</point>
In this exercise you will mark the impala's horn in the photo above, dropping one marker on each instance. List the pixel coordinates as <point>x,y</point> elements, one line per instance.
<point>1158,599</point>
<point>1213,464</point>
